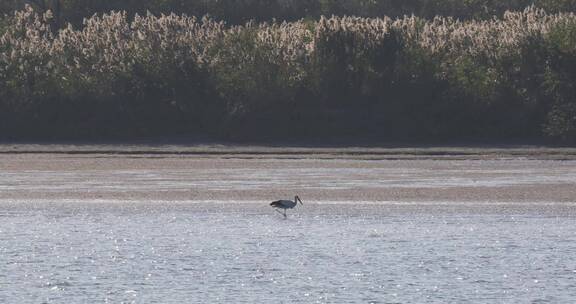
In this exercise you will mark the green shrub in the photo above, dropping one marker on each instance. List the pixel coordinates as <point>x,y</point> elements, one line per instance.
<point>509,77</point>
<point>560,81</point>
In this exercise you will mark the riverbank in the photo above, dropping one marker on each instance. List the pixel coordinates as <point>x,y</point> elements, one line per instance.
<point>294,151</point>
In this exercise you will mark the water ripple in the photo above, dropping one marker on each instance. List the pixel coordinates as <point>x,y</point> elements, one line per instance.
<point>146,253</point>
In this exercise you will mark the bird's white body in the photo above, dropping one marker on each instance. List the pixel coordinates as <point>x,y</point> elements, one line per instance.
<point>286,204</point>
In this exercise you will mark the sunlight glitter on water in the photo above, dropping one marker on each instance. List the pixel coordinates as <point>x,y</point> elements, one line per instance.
<point>144,252</point>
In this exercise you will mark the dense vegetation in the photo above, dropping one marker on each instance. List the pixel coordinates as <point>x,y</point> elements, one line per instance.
<point>512,77</point>
<point>241,11</point>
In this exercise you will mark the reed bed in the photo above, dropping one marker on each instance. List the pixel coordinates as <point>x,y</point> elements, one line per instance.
<point>443,78</point>
<point>240,11</point>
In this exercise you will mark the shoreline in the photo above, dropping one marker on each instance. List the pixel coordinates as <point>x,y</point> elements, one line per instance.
<point>249,151</point>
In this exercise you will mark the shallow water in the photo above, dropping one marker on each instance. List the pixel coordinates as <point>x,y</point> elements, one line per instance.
<point>244,252</point>
<point>242,175</point>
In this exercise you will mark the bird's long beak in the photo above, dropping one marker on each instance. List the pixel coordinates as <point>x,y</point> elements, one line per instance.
<point>300,201</point>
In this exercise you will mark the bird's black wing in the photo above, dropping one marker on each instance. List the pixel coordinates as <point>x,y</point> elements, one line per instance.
<point>276,204</point>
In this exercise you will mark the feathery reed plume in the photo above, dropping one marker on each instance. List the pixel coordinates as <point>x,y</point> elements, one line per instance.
<point>185,65</point>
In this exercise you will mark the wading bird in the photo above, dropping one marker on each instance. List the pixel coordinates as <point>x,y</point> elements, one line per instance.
<point>285,204</point>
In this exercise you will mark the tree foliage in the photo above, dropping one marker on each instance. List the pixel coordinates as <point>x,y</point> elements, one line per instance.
<point>241,11</point>
<point>409,77</point>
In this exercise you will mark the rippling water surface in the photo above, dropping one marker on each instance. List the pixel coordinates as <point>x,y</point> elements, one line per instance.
<point>243,252</point>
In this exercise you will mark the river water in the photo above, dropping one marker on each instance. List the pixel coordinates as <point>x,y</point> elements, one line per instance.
<point>243,252</point>
<point>91,230</point>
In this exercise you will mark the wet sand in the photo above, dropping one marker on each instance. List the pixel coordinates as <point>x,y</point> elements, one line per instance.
<point>256,174</point>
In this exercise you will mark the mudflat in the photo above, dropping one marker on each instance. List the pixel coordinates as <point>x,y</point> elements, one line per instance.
<point>252,173</point>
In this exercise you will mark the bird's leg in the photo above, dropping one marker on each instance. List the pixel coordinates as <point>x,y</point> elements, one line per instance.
<point>278,211</point>
<point>285,213</point>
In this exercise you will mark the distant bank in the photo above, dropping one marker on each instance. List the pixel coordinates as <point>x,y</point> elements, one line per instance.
<point>295,151</point>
